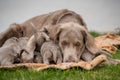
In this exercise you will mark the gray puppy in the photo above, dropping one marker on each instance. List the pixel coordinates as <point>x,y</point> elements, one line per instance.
<point>37,57</point>
<point>51,53</point>
<point>9,52</point>
<point>34,44</point>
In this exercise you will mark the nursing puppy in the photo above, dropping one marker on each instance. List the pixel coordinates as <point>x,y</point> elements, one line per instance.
<point>9,52</point>
<point>51,52</point>
<point>37,57</point>
<point>34,44</point>
<point>22,41</point>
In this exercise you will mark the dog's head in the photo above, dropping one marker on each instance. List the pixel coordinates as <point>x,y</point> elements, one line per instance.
<point>73,39</point>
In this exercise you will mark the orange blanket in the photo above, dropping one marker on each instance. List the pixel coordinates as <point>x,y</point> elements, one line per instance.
<point>63,66</point>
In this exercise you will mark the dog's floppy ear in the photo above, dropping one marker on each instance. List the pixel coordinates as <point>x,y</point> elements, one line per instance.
<point>57,33</point>
<point>54,32</point>
<point>89,42</point>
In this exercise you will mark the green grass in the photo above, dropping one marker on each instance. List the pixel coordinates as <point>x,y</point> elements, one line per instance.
<point>99,73</point>
<point>94,33</point>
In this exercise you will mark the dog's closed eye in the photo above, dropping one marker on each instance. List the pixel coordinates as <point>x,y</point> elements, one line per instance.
<point>77,44</point>
<point>64,43</point>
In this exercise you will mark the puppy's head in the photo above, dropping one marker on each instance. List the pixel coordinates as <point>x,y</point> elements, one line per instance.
<point>73,39</point>
<point>25,56</point>
<point>40,35</point>
<point>12,40</point>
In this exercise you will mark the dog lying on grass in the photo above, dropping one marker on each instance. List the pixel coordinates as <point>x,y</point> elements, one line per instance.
<point>51,52</point>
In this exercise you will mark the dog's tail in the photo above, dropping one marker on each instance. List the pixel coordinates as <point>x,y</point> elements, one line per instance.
<point>111,61</point>
<point>35,30</point>
<point>105,53</point>
<point>33,27</point>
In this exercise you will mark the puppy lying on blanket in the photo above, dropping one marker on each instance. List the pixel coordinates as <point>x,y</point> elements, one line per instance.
<point>10,51</point>
<point>37,57</point>
<point>51,52</point>
<point>33,46</point>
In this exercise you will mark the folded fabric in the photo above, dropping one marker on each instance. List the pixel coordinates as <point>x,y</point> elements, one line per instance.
<point>109,42</point>
<point>63,66</point>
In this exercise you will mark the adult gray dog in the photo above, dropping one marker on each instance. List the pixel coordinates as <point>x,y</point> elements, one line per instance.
<point>65,27</point>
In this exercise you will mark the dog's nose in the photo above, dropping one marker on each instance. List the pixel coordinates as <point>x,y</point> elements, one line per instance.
<point>68,61</point>
<point>71,59</point>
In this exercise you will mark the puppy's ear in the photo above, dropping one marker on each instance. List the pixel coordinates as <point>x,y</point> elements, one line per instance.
<point>89,42</point>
